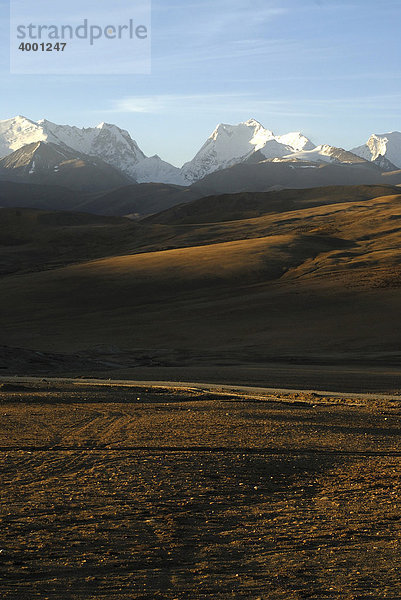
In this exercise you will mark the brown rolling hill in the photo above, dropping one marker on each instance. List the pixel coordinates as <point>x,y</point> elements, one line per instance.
<point>309,283</point>
<point>35,240</point>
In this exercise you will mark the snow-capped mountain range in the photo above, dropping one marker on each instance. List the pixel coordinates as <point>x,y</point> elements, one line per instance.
<point>227,146</point>
<point>107,142</point>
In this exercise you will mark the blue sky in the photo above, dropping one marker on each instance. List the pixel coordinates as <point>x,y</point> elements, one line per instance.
<point>329,68</point>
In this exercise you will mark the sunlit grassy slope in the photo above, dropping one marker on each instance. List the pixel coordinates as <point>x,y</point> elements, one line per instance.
<point>319,276</point>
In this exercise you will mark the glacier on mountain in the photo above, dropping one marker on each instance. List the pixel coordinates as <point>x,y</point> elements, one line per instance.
<point>108,142</point>
<point>228,145</point>
<point>231,144</point>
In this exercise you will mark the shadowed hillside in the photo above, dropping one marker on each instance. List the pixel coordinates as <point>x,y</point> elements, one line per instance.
<point>262,176</point>
<point>318,277</point>
<point>136,200</point>
<point>49,164</point>
<point>35,240</point>
<point>139,200</point>
<point>228,207</point>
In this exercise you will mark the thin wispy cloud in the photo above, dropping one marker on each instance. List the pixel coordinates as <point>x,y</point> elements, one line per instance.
<point>165,103</point>
<point>244,103</point>
<point>248,104</point>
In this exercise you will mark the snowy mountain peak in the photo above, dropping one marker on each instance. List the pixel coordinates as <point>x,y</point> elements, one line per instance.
<point>222,129</point>
<point>42,154</point>
<point>46,163</point>
<point>112,128</point>
<point>154,169</point>
<point>20,119</point>
<point>106,141</point>
<point>296,140</point>
<point>18,132</point>
<point>231,144</point>
<point>14,121</point>
<point>323,154</point>
<point>387,145</point>
<point>250,129</point>
<point>252,123</point>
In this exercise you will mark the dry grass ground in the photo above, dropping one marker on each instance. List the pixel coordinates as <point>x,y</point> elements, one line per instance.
<point>144,493</point>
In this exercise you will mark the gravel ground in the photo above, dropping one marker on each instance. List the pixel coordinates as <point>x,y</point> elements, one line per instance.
<point>120,492</point>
